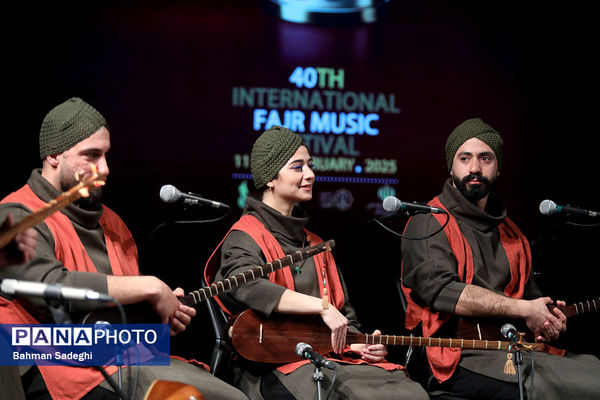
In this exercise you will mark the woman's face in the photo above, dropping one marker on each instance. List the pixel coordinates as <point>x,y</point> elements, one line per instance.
<point>295,180</point>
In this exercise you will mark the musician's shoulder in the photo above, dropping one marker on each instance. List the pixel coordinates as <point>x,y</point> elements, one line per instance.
<point>17,210</point>
<point>421,224</point>
<point>240,239</point>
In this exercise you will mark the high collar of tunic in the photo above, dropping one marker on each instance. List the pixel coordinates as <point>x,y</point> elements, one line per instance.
<point>45,191</point>
<point>464,210</point>
<point>291,227</point>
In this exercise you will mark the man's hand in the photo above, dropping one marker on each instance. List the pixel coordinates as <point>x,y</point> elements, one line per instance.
<point>338,325</point>
<point>546,325</point>
<point>20,250</point>
<point>183,315</point>
<point>372,353</point>
<point>554,326</point>
<point>164,301</point>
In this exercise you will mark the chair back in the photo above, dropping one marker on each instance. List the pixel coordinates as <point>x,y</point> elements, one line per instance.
<point>221,360</point>
<point>415,361</point>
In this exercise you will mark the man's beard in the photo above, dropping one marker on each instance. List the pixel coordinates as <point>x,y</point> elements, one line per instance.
<point>473,192</point>
<point>92,202</point>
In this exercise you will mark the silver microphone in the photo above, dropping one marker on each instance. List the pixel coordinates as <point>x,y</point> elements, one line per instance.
<point>170,194</point>
<point>47,291</point>
<point>510,332</point>
<point>548,207</point>
<point>304,350</point>
<point>392,204</point>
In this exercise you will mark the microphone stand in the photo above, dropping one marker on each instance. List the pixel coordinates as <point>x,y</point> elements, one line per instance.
<point>318,378</point>
<point>519,363</point>
<point>56,307</point>
<point>61,316</point>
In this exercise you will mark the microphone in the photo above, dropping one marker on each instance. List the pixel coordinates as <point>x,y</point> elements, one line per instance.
<point>303,350</point>
<point>510,332</point>
<point>48,291</point>
<point>548,207</point>
<point>170,194</point>
<point>392,204</point>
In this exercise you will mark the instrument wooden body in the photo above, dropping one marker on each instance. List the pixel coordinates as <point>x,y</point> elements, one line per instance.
<point>169,390</point>
<point>143,313</point>
<point>273,340</point>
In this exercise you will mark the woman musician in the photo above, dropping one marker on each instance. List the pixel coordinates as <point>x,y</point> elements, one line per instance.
<point>270,227</point>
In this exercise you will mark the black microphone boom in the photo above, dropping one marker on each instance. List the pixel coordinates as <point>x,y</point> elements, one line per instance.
<point>548,207</point>
<point>392,204</point>
<point>47,291</point>
<point>170,194</point>
<point>304,350</point>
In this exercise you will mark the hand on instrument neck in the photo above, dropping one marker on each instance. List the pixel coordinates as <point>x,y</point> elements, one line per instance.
<point>371,353</point>
<point>21,249</point>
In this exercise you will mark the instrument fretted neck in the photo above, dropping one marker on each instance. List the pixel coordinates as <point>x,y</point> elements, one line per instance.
<point>143,313</point>
<point>391,340</point>
<point>202,294</point>
<point>581,307</point>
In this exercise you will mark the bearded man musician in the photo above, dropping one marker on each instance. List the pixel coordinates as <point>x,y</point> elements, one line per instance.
<point>88,245</point>
<point>481,267</point>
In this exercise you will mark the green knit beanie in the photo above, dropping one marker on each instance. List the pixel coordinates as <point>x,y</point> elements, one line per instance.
<point>473,128</point>
<point>68,124</point>
<point>271,152</point>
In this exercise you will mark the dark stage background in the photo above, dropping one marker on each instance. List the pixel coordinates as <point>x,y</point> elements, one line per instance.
<point>167,76</point>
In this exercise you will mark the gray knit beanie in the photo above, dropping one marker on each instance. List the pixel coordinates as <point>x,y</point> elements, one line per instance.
<point>270,152</point>
<point>473,128</point>
<point>68,124</point>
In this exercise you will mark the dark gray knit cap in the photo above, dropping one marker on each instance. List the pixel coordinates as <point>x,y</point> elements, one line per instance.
<point>271,152</point>
<point>473,128</point>
<point>68,124</point>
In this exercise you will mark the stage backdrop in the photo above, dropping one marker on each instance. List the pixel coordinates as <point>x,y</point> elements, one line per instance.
<point>186,88</point>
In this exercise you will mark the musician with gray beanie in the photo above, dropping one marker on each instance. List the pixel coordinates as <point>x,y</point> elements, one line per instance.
<point>480,267</point>
<point>273,225</point>
<point>87,245</point>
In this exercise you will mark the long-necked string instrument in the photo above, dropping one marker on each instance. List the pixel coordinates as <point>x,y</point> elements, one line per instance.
<point>273,340</point>
<point>198,296</point>
<point>143,312</point>
<point>64,199</point>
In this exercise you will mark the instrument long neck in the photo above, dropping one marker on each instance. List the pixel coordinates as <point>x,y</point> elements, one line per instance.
<point>392,340</point>
<point>235,281</point>
<point>581,307</point>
